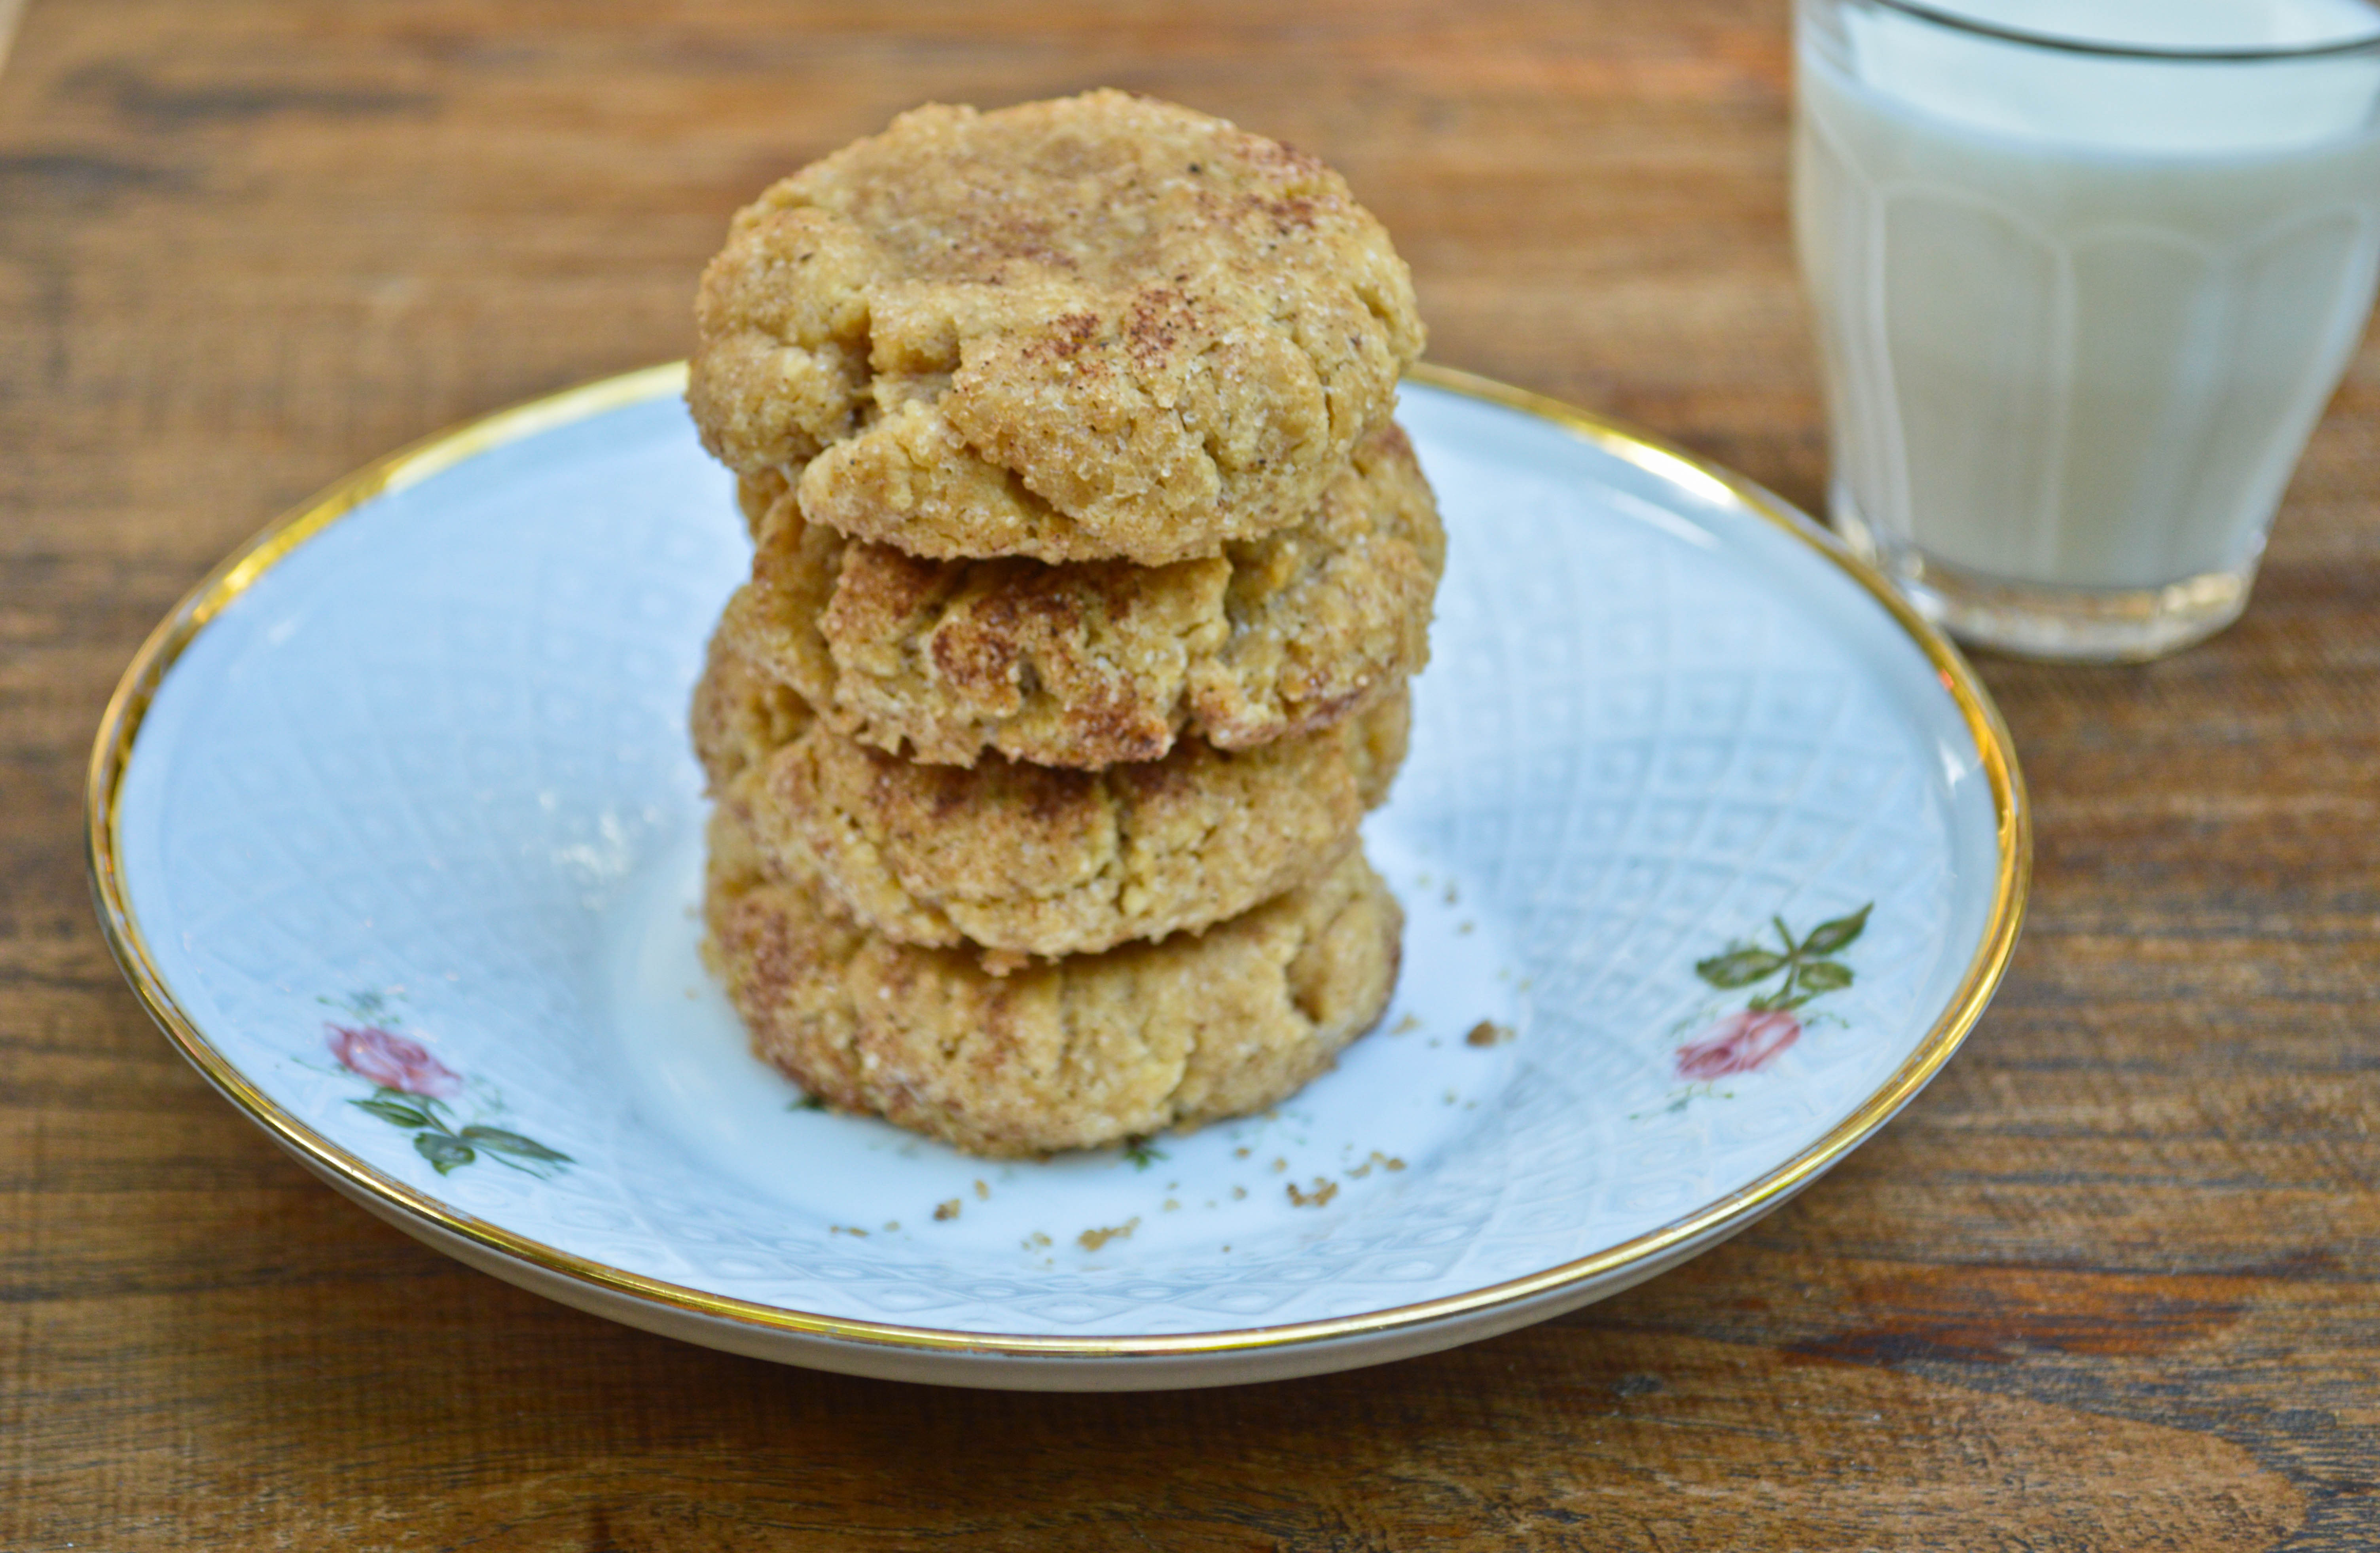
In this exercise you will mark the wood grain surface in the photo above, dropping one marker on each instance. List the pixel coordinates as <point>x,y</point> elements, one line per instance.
<point>2113,1282</point>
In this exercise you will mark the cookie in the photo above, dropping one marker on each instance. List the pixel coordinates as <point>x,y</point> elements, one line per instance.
<point>1034,860</point>
<point>741,716</point>
<point>1090,663</point>
<point>1097,328</point>
<point>1071,1053</point>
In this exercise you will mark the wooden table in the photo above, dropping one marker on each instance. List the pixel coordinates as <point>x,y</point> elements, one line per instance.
<point>2110,1284</point>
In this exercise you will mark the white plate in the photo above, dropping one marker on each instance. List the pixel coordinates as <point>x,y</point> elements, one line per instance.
<point>402,794</point>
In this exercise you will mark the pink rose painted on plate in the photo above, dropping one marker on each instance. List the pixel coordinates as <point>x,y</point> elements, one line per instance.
<point>1742,1043</point>
<point>1798,969</point>
<point>411,1089</point>
<point>391,1060</point>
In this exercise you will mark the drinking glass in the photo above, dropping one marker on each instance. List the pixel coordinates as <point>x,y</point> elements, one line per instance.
<point>2086,272</point>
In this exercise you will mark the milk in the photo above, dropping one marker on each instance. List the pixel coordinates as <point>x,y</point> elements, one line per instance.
<point>2080,314</point>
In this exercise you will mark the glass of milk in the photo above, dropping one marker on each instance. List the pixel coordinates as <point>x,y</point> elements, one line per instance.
<point>2086,272</point>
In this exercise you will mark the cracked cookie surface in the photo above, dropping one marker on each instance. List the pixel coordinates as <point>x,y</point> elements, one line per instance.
<point>1090,663</point>
<point>1073,1053</point>
<point>1100,327</point>
<point>1032,860</point>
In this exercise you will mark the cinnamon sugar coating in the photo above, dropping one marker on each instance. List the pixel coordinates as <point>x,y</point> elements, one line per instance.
<point>1073,1053</point>
<point>1102,327</point>
<point>1089,663</point>
<point>1028,859</point>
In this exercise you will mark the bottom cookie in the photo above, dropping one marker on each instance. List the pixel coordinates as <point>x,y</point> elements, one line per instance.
<point>1075,1052</point>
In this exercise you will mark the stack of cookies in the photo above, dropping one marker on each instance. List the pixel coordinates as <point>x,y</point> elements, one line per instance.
<point>1088,573</point>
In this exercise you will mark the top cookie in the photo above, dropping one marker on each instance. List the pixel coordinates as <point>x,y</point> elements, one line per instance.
<point>1101,327</point>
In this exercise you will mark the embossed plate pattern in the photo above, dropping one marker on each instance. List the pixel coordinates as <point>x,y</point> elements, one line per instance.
<point>1712,854</point>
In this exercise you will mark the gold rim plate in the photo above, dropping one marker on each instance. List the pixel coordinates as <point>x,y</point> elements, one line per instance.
<point>120,728</point>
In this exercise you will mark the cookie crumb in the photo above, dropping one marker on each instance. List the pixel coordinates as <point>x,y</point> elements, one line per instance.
<point>1323,1191</point>
<point>1487,1033</point>
<point>982,1193</point>
<point>946,1210</point>
<point>1092,1240</point>
<point>1238,1192</point>
<point>1410,1022</point>
<point>1280,1165</point>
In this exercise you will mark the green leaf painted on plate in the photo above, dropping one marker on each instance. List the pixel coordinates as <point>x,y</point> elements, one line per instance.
<point>1829,937</point>
<point>446,1153</point>
<point>500,1142</point>
<point>402,1112</point>
<point>1824,976</point>
<point>1740,967</point>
